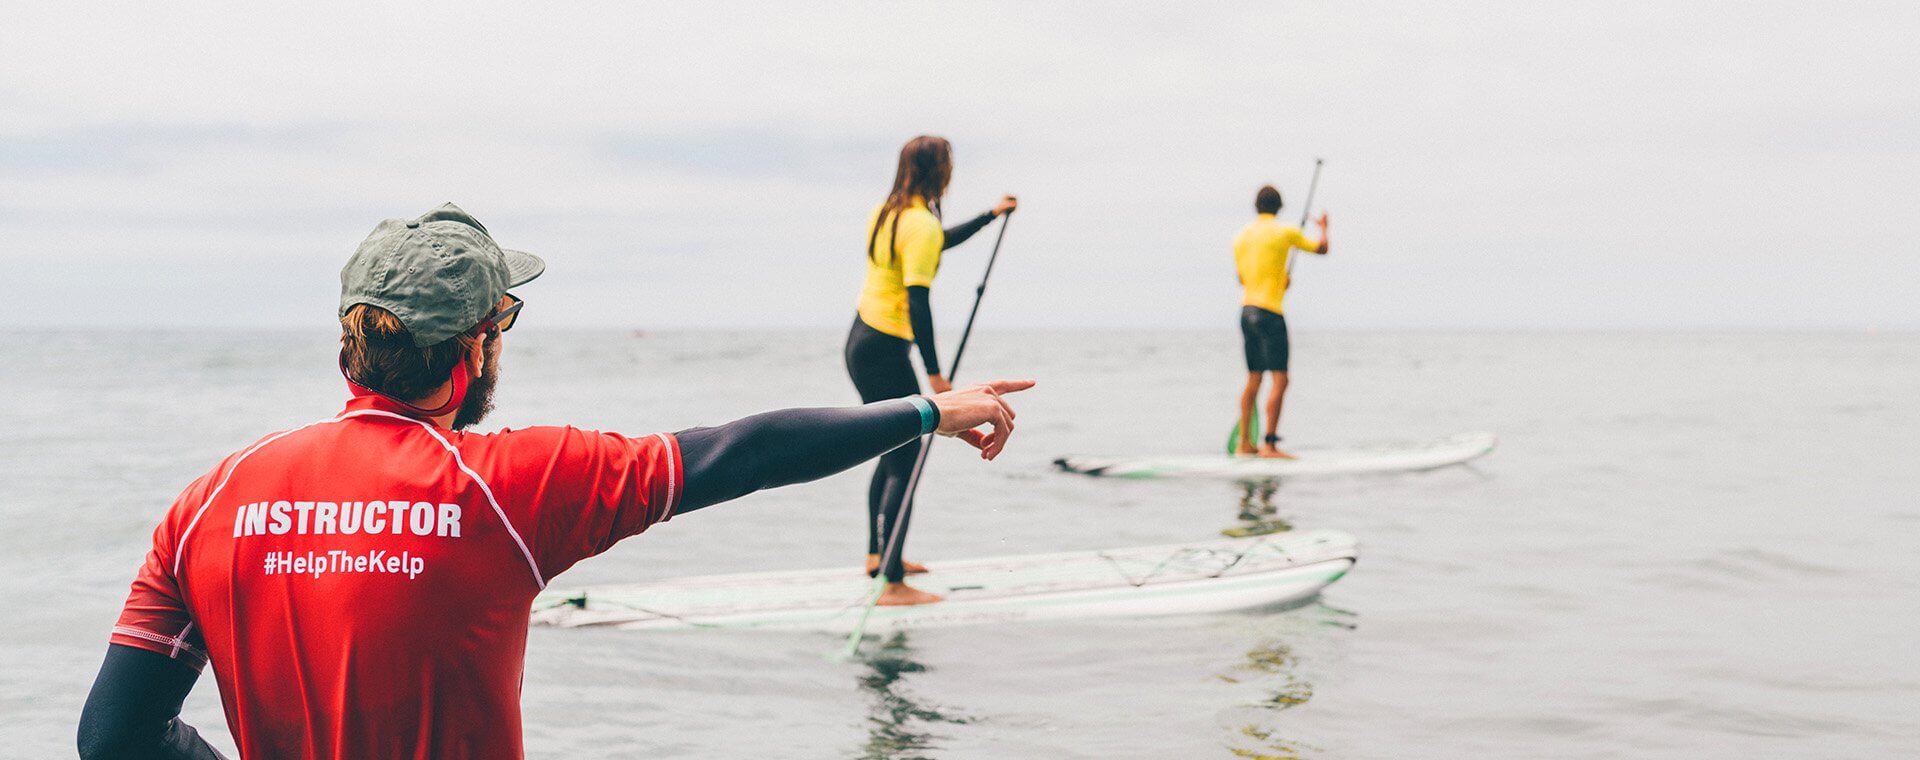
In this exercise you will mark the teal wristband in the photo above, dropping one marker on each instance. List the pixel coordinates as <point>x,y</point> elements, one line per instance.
<point>929,416</point>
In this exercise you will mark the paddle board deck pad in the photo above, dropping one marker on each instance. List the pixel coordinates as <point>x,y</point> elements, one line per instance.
<point>1379,458</point>
<point>1176,579</point>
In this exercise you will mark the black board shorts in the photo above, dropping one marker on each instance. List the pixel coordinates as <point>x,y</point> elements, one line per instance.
<point>1265,334</point>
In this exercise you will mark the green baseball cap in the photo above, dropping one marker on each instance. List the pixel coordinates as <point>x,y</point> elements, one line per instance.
<point>439,274</point>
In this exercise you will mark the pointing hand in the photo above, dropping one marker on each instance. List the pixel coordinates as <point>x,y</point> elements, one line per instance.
<point>963,412</point>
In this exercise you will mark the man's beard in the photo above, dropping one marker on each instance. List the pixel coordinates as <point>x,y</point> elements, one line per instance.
<point>479,398</point>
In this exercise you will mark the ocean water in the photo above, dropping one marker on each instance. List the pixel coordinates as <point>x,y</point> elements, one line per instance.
<point>1687,545</point>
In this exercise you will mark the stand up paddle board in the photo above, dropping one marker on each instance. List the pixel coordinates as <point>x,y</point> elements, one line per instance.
<point>1451,450</point>
<point>1175,579</point>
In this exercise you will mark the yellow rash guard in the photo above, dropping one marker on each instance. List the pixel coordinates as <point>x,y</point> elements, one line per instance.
<point>912,259</point>
<point>1261,250</point>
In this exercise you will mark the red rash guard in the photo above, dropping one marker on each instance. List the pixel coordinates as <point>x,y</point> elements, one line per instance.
<point>362,584</point>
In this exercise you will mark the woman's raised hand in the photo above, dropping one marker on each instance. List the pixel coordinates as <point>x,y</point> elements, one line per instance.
<point>1006,204</point>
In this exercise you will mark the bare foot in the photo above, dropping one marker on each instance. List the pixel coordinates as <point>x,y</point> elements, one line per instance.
<point>902,595</point>
<point>913,568</point>
<point>1245,449</point>
<point>1274,452</point>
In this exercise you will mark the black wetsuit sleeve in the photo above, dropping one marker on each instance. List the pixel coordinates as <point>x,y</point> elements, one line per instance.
<point>134,709</point>
<point>788,446</point>
<point>959,233</point>
<point>920,316</point>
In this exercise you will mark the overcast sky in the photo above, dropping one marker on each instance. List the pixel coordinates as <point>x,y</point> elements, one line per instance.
<point>1518,165</point>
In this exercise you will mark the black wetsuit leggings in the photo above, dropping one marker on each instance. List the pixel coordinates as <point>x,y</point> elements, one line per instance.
<point>878,364</point>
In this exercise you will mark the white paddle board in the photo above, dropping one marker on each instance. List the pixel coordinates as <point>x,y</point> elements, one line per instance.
<point>1175,579</point>
<point>1379,458</point>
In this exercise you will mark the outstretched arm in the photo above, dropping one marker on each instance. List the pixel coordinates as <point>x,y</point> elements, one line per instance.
<point>797,445</point>
<point>134,709</point>
<point>789,446</point>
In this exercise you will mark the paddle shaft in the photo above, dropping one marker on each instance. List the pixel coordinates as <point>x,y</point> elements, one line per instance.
<point>920,461</point>
<point>1306,209</point>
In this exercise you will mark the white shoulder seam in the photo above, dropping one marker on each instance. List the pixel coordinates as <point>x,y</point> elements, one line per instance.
<point>532,565</point>
<point>180,544</point>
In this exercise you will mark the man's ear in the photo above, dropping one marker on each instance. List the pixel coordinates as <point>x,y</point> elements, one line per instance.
<point>477,359</point>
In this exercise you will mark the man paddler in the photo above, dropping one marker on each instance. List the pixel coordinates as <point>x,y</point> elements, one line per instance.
<point>362,585</point>
<point>1260,253</point>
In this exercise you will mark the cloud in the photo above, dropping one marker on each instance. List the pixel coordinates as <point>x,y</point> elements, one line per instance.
<point>128,147</point>
<point>1489,164</point>
<point>752,153</point>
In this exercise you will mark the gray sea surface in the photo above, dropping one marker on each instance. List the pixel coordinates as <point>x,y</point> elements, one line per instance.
<point>1687,545</point>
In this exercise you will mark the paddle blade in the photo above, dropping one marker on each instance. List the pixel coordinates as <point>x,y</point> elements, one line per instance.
<point>873,597</point>
<point>1233,438</point>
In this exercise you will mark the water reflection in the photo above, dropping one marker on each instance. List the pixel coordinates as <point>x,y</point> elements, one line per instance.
<point>898,725</point>
<point>1273,663</point>
<point>1253,733</point>
<point>1257,515</point>
<point>1261,744</point>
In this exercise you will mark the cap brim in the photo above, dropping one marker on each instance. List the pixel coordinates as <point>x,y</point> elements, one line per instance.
<point>522,267</point>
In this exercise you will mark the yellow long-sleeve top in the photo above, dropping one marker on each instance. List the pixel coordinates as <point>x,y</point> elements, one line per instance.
<point>912,258</point>
<point>1261,250</point>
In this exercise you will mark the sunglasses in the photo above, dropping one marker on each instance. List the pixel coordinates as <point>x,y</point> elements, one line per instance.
<point>503,319</point>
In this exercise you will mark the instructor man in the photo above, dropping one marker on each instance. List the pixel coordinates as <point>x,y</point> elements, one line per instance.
<point>362,585</point>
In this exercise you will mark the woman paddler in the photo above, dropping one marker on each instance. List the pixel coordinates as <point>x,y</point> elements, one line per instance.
<point>904,240</point>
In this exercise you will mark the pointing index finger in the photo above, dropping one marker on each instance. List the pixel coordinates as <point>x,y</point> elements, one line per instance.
<point>1009,386</point>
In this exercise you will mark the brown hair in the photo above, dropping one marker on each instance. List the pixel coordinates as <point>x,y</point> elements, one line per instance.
<point>378,353</point>
<point>926,164</point>
<point>1267,201</point>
